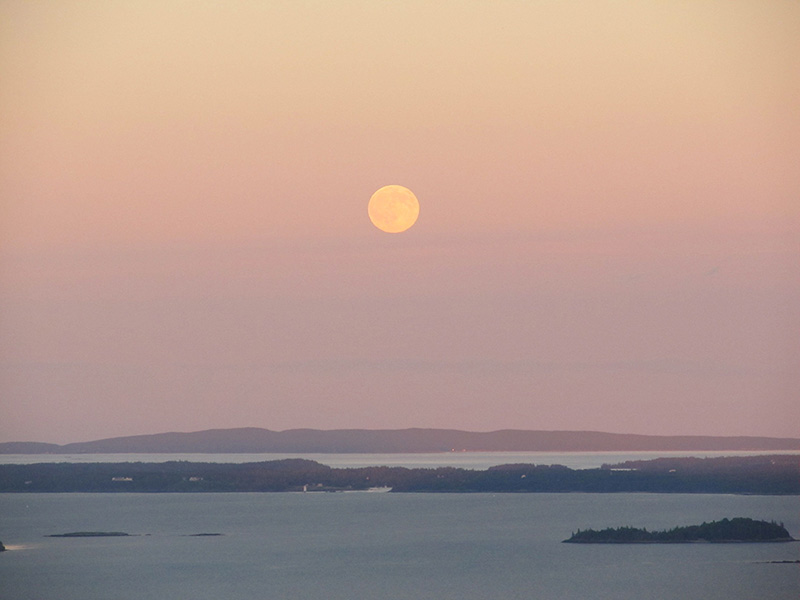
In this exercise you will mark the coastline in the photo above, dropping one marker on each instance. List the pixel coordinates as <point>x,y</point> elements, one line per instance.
<point>760,475</point>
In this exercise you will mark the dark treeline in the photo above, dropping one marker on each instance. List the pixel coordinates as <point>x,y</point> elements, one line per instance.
<point>726,530</point>
<point>739,475</point>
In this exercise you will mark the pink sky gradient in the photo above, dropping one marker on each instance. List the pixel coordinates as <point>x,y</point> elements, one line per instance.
<point>609,234</point>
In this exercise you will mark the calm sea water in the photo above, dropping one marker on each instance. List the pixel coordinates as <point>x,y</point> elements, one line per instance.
<point>350,546</point>
<point>464,460</point>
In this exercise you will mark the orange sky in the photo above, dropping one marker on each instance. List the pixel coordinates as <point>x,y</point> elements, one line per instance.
<point>608,239</point>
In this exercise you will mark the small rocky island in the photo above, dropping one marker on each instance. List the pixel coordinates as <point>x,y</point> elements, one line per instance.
<point>737,530</point>
<point>90,534</point>
<point>2,548</point>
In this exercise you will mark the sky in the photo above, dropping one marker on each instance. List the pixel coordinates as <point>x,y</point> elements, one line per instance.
<point>608,239</point>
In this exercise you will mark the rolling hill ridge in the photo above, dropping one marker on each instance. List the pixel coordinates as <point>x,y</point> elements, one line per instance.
<point>257,440</point>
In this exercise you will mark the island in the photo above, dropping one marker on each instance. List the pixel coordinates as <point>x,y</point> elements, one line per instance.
<point>2,548</point>
<point>737,530</point>
<point>90,534</point>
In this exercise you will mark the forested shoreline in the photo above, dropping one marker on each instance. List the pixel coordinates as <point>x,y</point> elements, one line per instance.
<point>777,474</point>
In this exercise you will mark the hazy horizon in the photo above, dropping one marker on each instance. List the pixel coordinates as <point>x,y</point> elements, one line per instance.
<point>608,236</point>
<point>795,437</point>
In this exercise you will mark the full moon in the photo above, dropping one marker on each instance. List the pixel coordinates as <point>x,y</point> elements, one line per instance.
<point>393,208</point>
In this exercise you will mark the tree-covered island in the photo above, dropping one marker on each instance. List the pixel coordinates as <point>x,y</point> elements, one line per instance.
<point>738,530</point>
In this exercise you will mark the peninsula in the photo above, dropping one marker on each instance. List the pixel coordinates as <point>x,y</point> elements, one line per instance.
<point>738,530</point>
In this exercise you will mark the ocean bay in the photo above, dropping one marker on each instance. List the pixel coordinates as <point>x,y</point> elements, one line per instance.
<point>421,460</point>
<point>396,546</point>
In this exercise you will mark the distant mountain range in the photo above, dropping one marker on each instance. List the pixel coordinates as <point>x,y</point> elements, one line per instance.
<point>254,440</point>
